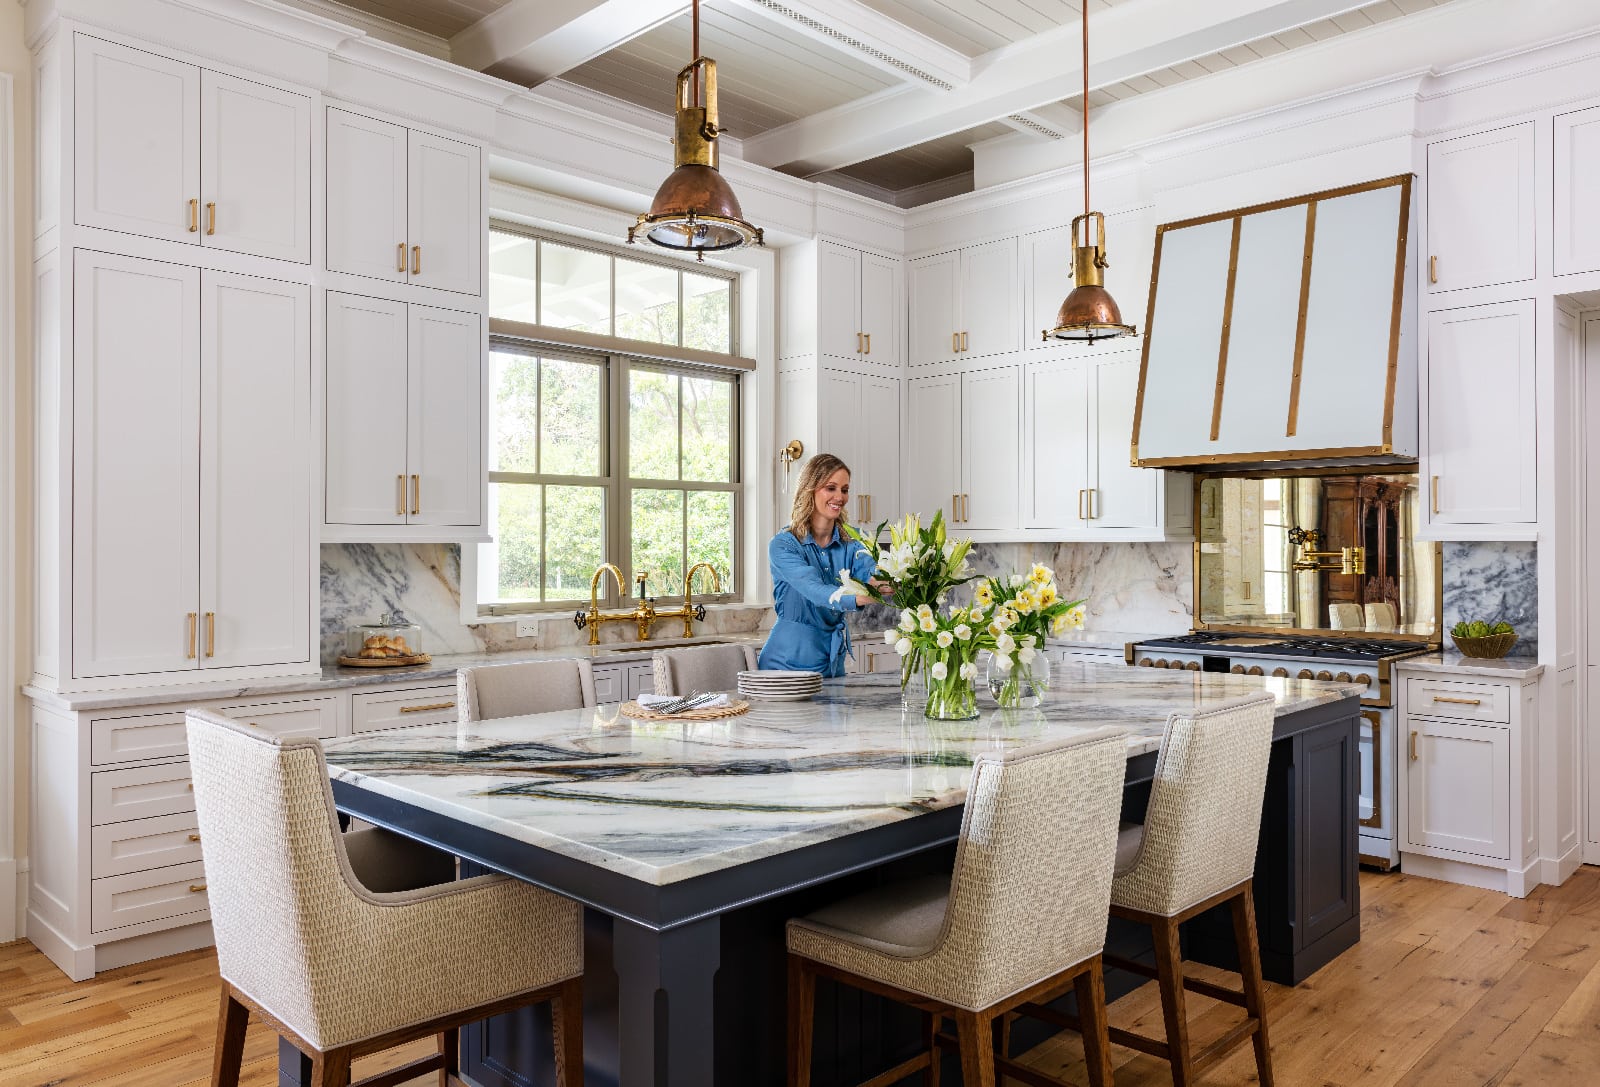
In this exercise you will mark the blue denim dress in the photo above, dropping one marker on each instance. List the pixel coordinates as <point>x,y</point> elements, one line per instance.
<point>811,632</point>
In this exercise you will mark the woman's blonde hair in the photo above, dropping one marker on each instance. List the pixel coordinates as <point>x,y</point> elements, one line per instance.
<point>813,474</point>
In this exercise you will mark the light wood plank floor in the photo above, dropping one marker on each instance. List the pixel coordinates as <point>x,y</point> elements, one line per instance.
<point>1449,986</point>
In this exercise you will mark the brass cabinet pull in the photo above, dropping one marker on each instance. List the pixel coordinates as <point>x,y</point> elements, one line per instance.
<point>211,633</point>
<point>1091,503</point>
<point>955,508</point>
<point>868,337</point>
<point>194,216</point>
<point>416,260</point>
<point>429,708</point>
<point>400,503</point>
<point>190,654</point>
<point>1080,503</point>
<point>1459,701</point>
<point>416,494</point>
<point>1413,746</point>
<point>1435,496</point>
<point>965,346</point>
<point>1433,269</point>
<point>966,508</point>
<point>858,343</point>
<point>196,888</point>
<point>400,257</point>
<point>1247,590</point>
<point>194,837</point>
<point>211,217</point>
<point>955,341</point>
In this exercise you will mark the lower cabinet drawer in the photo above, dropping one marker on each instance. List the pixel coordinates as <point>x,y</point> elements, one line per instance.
<point>1478,702</point>
<point>140,792</point>
<point>119,901</point>
<point>130,739</point>
<point>314,717</point>
<point>374,710</point>
<point>610,683</point>
<point>139,845</point>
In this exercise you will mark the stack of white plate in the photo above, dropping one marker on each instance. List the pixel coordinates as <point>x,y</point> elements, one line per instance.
<point>780,686</point>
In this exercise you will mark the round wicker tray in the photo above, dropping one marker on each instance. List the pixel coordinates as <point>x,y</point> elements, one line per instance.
<point>1490,648</point>
<point>384,662</point>
<point>732,709</point>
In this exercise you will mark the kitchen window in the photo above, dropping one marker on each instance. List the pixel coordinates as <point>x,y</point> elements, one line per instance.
<point>606,455</point>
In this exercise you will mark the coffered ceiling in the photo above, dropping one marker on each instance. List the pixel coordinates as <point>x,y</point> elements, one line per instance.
<point>886,97</point>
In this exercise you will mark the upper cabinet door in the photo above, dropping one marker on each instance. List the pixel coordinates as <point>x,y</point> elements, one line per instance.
<point>1047,264</point>
<point>135,466</point>
<point>839,430</point>
<point>1480,209</point>
<point>446,472</point>
<point>1479,449</point>
<point>445,220</point>
<point>880,426</point>
<point>255,168</point>
<point>839,328</point>
<point>365,406</point>
<point>137,126</point>
<point>990,311</point>
<point>255,465</point>
<point>882,317</point>
<point>1123,496</point>
<point>1055,431</point>
<point>991,439</point>
<point>366,204</point>
<point>1577,236</point>
<point>935,335</point>
<point>932,479</point>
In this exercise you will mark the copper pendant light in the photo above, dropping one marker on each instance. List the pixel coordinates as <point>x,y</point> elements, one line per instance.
<point>1089,313</point>
<point>695,209</point>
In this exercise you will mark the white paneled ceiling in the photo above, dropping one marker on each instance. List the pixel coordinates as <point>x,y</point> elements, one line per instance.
<point>886,94</point>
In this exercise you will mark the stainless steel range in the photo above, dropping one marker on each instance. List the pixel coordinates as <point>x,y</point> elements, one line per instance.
<point>1349,660</point>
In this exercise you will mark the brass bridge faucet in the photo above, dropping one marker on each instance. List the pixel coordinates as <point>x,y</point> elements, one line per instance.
<point>690,610</point>
<point>643,613</point>
<point>1351,560</point>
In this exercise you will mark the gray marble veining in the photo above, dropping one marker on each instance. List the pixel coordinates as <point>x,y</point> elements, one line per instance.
<point>665,801</point>
<point>1493,581</point>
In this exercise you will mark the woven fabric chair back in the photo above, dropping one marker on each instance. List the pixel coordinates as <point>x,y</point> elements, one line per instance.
<point>701,668</point>
<point>512,690</point>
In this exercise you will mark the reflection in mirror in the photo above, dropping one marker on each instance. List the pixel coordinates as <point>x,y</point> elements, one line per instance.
<point>1317,552</point>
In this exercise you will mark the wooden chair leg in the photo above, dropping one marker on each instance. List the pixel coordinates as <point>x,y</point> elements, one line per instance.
<point>449,1056</point>
<point>802,1008</point>
<point>1243,909</point>
<point>331,1069</point>
<point>1090,987</point>
<point>977,1049</point>
<point>930,1039</point>
<point>566,1027</point>
<point>232,1020</point>
<point>1169,978</point>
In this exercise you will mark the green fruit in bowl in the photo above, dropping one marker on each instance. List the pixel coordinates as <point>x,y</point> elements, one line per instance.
<point>1480,629</point>
<point>1503,628</point>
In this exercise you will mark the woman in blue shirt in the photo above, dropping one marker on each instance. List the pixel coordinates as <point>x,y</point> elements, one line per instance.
<point>811,632</point>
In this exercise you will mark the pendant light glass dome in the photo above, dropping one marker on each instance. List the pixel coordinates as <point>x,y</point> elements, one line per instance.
<point>1089,313</point>
<point>695,209</point>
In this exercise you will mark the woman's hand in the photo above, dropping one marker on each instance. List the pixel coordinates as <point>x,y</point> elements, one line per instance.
<point>884,587</point>
<point>863,601</point>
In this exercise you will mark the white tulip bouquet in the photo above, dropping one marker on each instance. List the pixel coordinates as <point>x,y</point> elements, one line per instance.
<point>946,644</point>
<point>1022,610</point>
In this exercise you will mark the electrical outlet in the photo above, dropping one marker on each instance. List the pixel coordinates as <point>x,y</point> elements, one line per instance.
<point>528,628</point>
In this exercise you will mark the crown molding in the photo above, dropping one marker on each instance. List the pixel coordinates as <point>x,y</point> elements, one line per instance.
<point>376,26</point>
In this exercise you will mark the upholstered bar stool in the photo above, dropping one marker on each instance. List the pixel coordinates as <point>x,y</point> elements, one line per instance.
<point>1346,617</point>
<point>701,668</point>
<point>511,690</point>
<point>342,968</point>
<point>1021,919</point>
<point>1381,616</point>
<point>1195,850</point>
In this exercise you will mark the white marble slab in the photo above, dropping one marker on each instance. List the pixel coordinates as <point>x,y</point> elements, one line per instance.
<point>1454,663</point>
<point>665,801</point>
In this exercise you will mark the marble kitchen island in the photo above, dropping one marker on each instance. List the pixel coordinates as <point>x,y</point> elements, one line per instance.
<point>692,842</point>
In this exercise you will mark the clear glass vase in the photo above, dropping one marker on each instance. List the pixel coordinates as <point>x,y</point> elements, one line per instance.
<point>951,699</point>
<point>1022,686</point>
<point>913,683</point>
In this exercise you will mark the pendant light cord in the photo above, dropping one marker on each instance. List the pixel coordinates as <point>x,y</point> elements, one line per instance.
<point>1083,6</point>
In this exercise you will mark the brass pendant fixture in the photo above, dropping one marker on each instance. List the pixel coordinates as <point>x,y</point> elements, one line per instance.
<point>695,209</point>
<point>1089,313</point>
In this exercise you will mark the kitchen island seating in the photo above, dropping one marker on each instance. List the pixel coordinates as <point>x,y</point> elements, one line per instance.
<point>1195,850</point>
<point>1022,916</point>
<point>512,690</point>
<point>702,668</point>
<point>340,969</point>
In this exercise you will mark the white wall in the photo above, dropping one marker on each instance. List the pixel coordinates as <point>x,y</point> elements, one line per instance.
<point>16,201</point>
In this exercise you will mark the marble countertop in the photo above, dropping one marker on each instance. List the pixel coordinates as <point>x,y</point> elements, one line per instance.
<point>663,802</point>
<point>1456,663</point>
<point>1106,639</point>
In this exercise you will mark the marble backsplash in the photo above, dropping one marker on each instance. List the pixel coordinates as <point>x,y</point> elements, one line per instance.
<point>1494,581</point>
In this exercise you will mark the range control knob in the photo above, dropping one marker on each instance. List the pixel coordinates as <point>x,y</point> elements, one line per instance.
<point>1161,662</point>
<point>1280,673</point>
<point>1324,674</point>
<point>1146,662</point>
<point>1237,669</point>
<point>1175,664</point>
<point>1343,677</point>
<point>1306,673</point>
<point>1362,677</point>
<point>1193,666</point>
<point>1255,670</point>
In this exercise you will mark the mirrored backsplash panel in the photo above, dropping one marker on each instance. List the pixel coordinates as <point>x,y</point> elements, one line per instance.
<point>1315,551</point>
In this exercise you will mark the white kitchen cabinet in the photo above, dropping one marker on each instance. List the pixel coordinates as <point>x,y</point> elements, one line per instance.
<point>191,481</point>
<point>932,477</point>
<point>965,304</point>
<point>1577,192</point>
<point>838,301</point>
<point>172,151</point>
<point>883,315</point>
<point>843,304</point>
<point>1057,433</point>
<point>404,410</point>
<point>1047,275</point>
<point>403,205</point>
<point>1481,209</point>
<point>1479,451</point>
<point>1457,780</point>
<point>990,448</point>
<point>861,426</point>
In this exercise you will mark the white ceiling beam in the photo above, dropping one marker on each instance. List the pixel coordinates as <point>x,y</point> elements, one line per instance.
<point>541,39</point>
<point>870,36</point>
<point>1127,40</point>
<point>1055,121</point>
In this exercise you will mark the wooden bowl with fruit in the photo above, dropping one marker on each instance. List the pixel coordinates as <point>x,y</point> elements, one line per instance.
<point>1486,641</point>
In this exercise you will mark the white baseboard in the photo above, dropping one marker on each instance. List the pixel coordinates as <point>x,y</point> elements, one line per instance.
<point>74,961</point>
<point>1514,882</point>
<point>153,945</point>
<point>13,900</point>
<point>1557,870</point>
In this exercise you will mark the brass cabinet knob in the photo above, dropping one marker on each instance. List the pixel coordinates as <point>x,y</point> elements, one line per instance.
<point>1280,673</point>
<point>1306,673</point>
<point>1255,670</point>
<point>1237,669</point>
